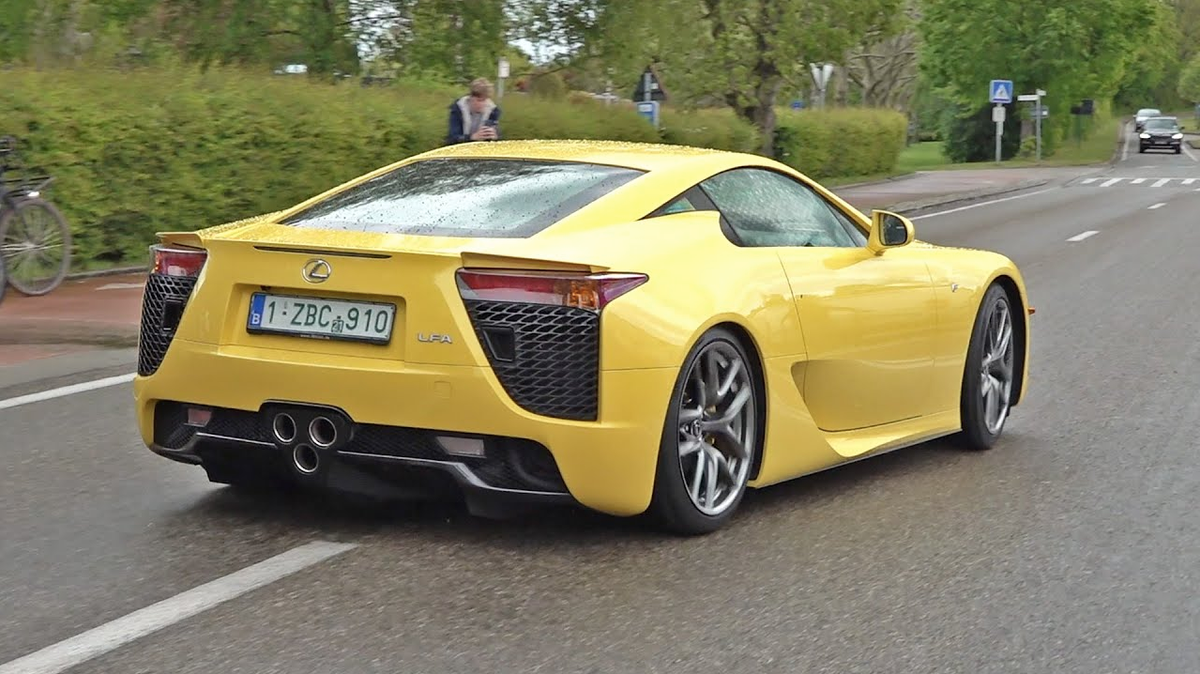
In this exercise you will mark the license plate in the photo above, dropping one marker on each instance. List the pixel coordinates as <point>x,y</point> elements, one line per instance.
<point>319,318</point>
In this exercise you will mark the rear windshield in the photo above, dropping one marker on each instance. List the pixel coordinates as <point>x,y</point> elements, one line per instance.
<point>1160,124</point>
<point>478,198</point>
<point>1148,112</point>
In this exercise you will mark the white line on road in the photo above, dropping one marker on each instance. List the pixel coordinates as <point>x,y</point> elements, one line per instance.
<point>985,203</point>
<point>65,391</point>
<point>1188,181</point>
<point>1161,182</point>
<point>1138,181</point>
<point>121,286</point>
<point>1077,237</point>
<point>113,635</point>
<point>1089,181</point>
<point>1188,151</point>
<point>1111,182</point>
<point>1156,206</point>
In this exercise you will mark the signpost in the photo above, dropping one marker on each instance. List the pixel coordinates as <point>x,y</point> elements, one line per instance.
<point>502,71</point>
<point>1038,114</point>
<point>649,110</point>
<point>821,75</point>
<point>1000,93</point>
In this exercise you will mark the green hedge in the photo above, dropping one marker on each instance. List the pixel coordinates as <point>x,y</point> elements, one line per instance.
<point>715,128</point>
<point>840,142</point>
<point>138,152</point>
<point>145,150</point>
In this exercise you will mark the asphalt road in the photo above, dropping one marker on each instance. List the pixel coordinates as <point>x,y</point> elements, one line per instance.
<point>1073,546</point>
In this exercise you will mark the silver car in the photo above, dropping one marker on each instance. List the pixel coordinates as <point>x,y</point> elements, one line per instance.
<point>1139,120</point>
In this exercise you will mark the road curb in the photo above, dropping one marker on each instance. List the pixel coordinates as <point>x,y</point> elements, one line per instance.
<point>60,331</point>
<point>910,207</point>
<point>115,271</point>
<point>870,183</point>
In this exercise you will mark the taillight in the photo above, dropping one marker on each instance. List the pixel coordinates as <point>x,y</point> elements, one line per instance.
<point>177,261</point>
<point>585,291</point>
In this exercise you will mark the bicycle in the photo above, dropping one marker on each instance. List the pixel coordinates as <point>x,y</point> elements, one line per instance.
<point>35,241</point>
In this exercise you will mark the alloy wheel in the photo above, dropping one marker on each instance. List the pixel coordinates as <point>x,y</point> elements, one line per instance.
<point>996,372</point>
<point>717,426</point>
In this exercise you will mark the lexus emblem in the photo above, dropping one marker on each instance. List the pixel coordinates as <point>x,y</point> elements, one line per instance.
<point>317,271</point>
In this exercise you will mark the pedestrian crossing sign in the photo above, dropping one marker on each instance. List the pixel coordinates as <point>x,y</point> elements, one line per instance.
<point>1002,91</point>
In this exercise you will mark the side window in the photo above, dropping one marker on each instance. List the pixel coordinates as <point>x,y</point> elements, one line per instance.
<point>860,239</point>
<point>769,209</point>
<point>692,200</point>
<point>680,205</point>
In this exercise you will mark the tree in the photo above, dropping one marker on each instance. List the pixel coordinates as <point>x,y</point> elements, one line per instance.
<point>1189,81</point>
<point>884,66</point>
<point>1072,50</point>
<point>742,51</point>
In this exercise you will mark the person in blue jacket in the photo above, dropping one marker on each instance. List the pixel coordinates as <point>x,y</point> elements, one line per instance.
<point>475,116</point>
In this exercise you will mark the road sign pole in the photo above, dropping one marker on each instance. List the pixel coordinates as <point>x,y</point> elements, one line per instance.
<point>1000,93</point>
<point>1038,126</point>
<point>646,87</point>
<point>999,129</point>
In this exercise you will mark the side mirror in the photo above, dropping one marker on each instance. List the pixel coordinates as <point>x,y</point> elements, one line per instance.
<point>889,230</point>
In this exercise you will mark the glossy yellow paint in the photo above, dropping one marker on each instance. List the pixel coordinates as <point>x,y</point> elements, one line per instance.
<point>861,350</point>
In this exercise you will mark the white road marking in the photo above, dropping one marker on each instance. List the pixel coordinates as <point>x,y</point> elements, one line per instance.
<point>1089,181</point>
<point>65,391</point>
<point>121,286</point>
<point>113,635</point>
<point>1188,151</point>
<point>1156,206</point>
<point>985,203</point>
<point>1077,237</point>
<point>1161,182</point>
<point>1138,181</point>
<point>1188,181</point>
<point>1113,181</point>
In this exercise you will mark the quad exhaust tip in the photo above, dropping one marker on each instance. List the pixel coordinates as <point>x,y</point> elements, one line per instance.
<point>284,428</point>
<point>306,459</point>
<point>322,432</point>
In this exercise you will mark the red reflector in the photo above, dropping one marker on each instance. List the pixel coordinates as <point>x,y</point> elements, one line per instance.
<point>585,291</point>
<point>198,417</point>
<point>174,261</point>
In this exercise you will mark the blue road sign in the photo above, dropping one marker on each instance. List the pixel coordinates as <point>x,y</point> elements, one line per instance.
<point>649,110</point>
<point>1001,91</point>
<point>797,105</point>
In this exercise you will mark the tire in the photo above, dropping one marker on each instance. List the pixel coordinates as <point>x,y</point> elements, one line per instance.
<point>687,443</point>
<point>1179,150</point>
<point>10,226</point>
<point>981,425</point>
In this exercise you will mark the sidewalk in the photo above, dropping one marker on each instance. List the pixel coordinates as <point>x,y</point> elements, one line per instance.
<point>105,311</point>
<point>101,311</point>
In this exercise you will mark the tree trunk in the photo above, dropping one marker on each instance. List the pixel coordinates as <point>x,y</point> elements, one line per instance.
<point>764,119</point>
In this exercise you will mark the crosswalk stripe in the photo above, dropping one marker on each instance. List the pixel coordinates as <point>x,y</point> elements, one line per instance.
<point>1112,182</point>
<point>1188,181</point>
<point>1139,181</point>
<point>1089,181</point>
<point>1161,182</point>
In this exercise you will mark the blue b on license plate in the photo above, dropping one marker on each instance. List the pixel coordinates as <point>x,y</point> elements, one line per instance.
<point>321,318</point>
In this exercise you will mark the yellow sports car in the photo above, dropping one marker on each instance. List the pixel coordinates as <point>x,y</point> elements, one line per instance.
<point>630,328</point>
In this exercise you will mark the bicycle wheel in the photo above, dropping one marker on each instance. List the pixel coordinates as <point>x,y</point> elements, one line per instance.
<point>35,243</point>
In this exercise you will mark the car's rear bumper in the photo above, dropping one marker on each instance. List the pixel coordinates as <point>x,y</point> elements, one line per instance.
<point>607,465</point>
